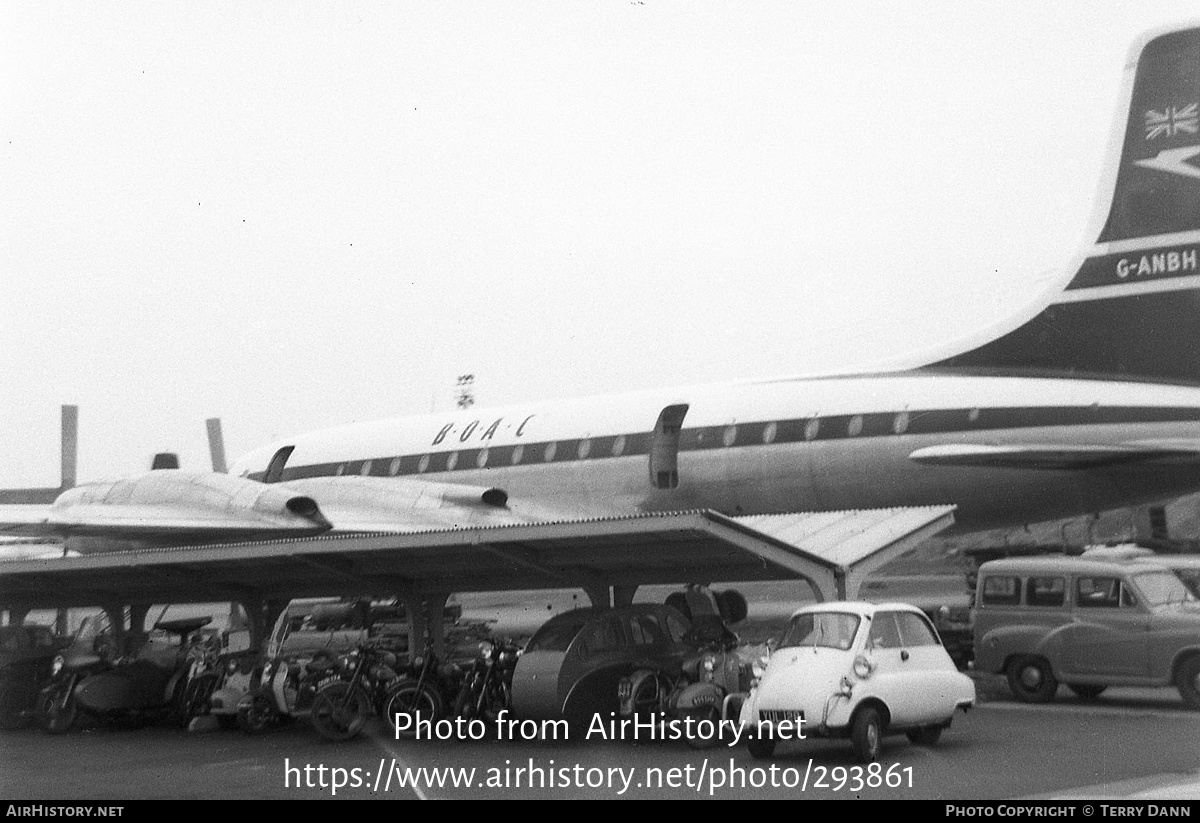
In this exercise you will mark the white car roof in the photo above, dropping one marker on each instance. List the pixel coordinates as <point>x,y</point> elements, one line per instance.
<point>859,607</point>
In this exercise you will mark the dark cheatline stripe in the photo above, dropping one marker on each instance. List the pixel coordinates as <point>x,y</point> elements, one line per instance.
<point>798,430</point>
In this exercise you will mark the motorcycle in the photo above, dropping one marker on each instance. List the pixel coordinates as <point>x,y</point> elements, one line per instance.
<point>92,650</point>
<point>342,706</point>
<point>487,688</point>
<point>285,691</point>
<point>152,684</point>
<point>426,691</point>
<point>709,685</point>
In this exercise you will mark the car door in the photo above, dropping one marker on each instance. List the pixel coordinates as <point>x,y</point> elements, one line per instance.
<point>908,659</point>
<point>1109,629</point>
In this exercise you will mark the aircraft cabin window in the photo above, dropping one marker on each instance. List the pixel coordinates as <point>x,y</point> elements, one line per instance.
<point>769,432</point>
<point>812,428</point>
<point>423,464</point>
<point>618,446</point>
<point>730,436</point>
<point>973,415</point>
<point>517,454</point>
<point>482,459</point>
<point>341,469</point>
<point>366,467</point>
<point>855,426</point>
<point>451,461</point>
<point>900,424</point>
<point>394,468</point>
<point>585,448</point>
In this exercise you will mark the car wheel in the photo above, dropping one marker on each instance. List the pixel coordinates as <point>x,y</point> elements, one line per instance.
<point>1187,680</point>
<point>340,711</point>
<point>696,741</point>
<point>867,734</point>
<point>413,702</point>
<point>926,735</point>
<point>1086,691</point>
<point>760,746</point>
<point>255,716</point>
<point>1032,680</point>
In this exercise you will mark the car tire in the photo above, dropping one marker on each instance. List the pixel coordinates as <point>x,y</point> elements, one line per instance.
<point>1086,691</point>
<point>413,699</point>
<point>926,735</point>
<point>1031,679</point>
<point>1187,681</point>
<point>866,734</point>
<point>760,746</point>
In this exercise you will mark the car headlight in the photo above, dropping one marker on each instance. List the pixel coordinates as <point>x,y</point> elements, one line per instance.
<point>56,666</point>
<point>418,662</point>
<point>485,649</point>
<point>759,667</point>
<point>863,667</point>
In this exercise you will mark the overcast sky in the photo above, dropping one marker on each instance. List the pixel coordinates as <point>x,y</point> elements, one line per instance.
<point>294,215</point>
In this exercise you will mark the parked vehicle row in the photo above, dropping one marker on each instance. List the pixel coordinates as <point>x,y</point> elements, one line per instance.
<point>852,670</point>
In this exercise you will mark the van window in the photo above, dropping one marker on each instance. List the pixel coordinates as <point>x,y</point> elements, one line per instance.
<point>1046,591</point>
<point>1001,591</point>
<point>1098,592</point>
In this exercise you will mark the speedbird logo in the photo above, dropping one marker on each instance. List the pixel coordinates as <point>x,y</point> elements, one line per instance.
<point>1173,161</point>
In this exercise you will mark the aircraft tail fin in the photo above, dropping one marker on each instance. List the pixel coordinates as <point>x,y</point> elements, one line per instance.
<point>1132,307</point>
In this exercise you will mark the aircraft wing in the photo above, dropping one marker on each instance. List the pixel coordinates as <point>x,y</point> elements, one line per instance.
<point>1057,456</point>
<point>170,507</point>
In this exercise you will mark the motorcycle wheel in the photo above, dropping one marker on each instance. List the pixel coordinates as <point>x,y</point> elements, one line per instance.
<point>256,716</point>
<point>695,740</point>
<point>340,711</point>
<point>499,699</point>
<point>412,701</point>
<point>196,697</point>
<point>466,706</point>
<point>58,711</point>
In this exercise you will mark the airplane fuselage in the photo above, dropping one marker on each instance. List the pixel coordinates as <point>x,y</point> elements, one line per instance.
<point>760,447</point>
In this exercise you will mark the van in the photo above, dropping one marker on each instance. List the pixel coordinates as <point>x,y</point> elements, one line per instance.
<point>1087,622</point>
